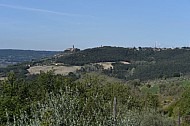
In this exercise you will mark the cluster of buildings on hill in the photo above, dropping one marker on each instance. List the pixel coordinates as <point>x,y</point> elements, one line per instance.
<point>68,51</point>
<point>73,49</point>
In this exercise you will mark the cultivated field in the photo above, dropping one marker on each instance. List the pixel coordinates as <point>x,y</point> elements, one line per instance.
<point>107,65</point>
<point>64,70</point>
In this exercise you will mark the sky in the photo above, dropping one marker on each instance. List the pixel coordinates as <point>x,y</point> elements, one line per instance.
<point>60,24</point>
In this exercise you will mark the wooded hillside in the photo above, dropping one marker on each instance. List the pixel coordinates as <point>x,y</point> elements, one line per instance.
<point>145,63</point>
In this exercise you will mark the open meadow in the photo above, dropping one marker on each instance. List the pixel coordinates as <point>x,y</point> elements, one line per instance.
<point>63,70</point>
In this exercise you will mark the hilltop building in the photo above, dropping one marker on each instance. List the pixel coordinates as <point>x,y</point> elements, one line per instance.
<point>71,50</point>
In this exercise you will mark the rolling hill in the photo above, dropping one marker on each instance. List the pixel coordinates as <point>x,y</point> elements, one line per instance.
<point>145,63</point>
<point>142,63</point>
<point>12,56</point>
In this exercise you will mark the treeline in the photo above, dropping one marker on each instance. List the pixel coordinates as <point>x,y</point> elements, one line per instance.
<point>145,63</point>
<point>19,69</point>
<point>103,54</point>
<point>107,54</point>
<point>146,71</point>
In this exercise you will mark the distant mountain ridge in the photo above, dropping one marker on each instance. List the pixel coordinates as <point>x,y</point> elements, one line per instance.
<point>13,56</point>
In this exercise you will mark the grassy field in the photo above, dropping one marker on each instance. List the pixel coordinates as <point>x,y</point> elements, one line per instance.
<point>107,65</point>
<point>64,70</point>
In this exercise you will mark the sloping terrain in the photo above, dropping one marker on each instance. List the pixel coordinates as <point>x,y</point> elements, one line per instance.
<point>142,79</point>
<point>143,63</point>
<point>124,63</point>
<point>12,56</point>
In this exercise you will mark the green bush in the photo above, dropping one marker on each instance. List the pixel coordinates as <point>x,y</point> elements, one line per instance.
<point>65,109</point>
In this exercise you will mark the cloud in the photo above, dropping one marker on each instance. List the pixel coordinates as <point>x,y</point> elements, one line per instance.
<point>43,11</point>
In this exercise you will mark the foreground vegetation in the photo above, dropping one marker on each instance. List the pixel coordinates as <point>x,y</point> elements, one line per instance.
<point>50,99</point>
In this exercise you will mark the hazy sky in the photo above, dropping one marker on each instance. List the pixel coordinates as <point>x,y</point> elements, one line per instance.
<point>58,24</point>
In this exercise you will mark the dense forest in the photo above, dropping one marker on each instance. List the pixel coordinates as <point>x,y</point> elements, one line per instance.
<point>145,63</point>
